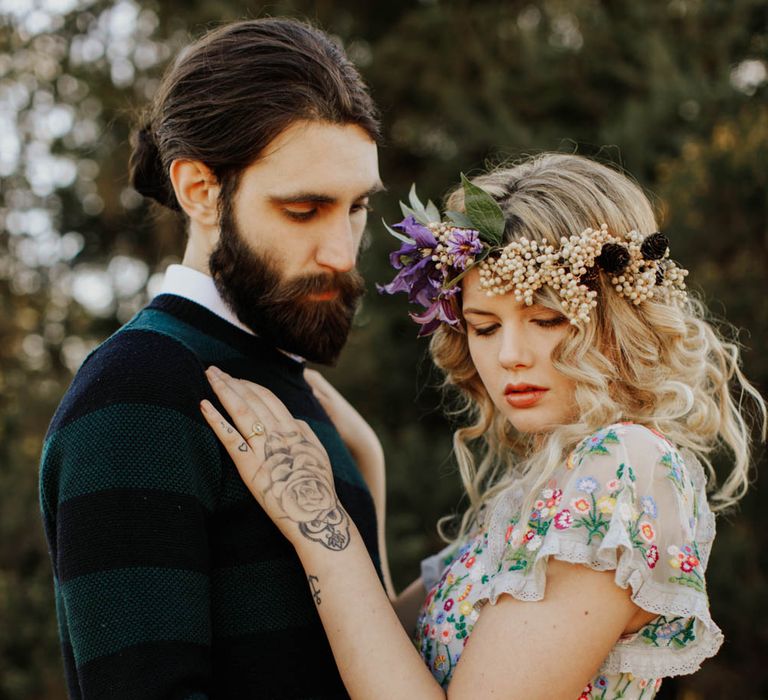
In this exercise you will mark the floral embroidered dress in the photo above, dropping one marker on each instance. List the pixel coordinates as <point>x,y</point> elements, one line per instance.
<point>626,500</point>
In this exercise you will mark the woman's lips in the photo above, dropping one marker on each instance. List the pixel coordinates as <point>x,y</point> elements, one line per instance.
<point>523,395</point>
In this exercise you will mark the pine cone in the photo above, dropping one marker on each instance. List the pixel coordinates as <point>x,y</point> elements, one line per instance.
<point>654,247</point>
<point>613,258</point>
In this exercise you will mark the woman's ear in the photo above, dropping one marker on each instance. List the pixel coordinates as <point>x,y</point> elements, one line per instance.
<point>197,191</point>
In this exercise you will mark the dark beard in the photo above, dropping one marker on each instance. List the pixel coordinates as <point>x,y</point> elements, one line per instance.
<point>279,310</point>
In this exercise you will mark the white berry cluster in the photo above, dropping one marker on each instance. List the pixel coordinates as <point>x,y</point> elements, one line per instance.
<point>638,280</point>
<point>523,266</point>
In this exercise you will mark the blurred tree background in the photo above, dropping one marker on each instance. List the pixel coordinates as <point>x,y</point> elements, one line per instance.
<point>675,91</point>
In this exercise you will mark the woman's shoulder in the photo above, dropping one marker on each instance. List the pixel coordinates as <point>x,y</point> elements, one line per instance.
<point>634,442</point>
<point>627,432</point>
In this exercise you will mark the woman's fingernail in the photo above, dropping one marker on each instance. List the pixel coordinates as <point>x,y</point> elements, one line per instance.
<point>213,371</point>
<point>205,405</point>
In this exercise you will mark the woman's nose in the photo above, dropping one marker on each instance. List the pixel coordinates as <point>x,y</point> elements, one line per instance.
<point>515,351</point>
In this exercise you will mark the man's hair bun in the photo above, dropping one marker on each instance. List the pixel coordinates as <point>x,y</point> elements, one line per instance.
<point>148,175</point>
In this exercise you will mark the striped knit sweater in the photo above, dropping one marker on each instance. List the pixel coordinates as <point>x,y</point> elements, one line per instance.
<point>170,580</point>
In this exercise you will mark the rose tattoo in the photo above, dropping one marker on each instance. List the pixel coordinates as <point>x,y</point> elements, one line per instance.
<point>302,486</point>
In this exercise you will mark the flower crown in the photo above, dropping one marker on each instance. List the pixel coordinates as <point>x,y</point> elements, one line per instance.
<point>436,254</point>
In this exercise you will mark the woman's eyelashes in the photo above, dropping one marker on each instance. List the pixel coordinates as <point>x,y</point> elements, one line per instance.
<point>541,322</point>
<point>484,330</point>
<point>552,322</point>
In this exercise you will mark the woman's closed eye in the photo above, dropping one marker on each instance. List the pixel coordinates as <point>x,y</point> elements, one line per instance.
<point>550,322</point>
<point>484,330</point>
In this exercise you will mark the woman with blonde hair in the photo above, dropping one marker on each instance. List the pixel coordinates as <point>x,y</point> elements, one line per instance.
<point>595,392</point>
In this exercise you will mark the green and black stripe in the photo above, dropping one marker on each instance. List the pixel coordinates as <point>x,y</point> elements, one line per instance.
<point>170,580</point>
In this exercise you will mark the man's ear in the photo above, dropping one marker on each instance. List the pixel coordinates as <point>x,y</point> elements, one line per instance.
<point>197,191</point>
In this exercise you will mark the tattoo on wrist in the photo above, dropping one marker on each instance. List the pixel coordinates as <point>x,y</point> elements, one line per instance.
<point>315,590</point>
<point>302,483</point>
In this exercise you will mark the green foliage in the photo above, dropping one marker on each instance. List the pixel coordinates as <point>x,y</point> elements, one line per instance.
<point>665,89</point>
<point>483,211</point>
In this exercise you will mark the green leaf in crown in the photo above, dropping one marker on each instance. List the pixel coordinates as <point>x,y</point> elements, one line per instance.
<point>484,213</point>
<point>425,215</point>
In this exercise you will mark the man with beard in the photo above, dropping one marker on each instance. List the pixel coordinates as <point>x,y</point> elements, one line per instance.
<point>170,581</point>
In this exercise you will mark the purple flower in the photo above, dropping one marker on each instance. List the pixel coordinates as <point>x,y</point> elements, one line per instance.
<point>422,236</point>
<point>417,275</point>
<point>418,278</point>
<point>463,244</point>
<point>440,310</point>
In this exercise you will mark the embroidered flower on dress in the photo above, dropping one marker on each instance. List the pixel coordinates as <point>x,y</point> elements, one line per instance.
<point>564,519</point>
<point>587,484</point>
<point>534,543</point>
<point>445,635</point>
<point>649,506</point>
<point>647,532</point>
<point>606,504</point>
<point>652,556</point>
<point>581,504</point>
<point>686,560</point>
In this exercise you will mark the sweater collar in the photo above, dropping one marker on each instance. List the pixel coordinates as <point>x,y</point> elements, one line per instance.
<point>196,286</point>
<point>193,285</point>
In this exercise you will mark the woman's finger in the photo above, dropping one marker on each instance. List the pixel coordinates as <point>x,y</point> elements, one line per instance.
<point>251,416</point>
<point>244,455</point>
<point>276,406</point>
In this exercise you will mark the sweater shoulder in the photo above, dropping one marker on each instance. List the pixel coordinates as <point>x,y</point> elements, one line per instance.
<point>136,365</point>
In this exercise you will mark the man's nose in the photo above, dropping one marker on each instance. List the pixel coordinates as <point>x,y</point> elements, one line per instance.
<point>514,351</point>
<point>337,250</point>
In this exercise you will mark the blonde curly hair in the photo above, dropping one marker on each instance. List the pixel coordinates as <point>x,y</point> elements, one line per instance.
<point>661,364</point>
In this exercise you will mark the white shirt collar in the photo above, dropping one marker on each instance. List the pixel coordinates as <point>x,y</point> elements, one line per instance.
<point>196,286</point>
<point>200,288</point>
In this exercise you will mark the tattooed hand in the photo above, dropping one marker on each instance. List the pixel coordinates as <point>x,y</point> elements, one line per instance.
<point>302,487</point>
<point>281,461</point>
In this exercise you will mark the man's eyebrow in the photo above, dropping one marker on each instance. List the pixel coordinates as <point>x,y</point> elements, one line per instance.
<point>317,198</point>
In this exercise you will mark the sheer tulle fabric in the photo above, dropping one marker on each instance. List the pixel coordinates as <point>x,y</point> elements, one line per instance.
<point>626,500</point>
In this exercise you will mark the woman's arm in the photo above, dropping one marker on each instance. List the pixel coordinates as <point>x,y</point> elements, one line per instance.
<point>367,452</point>
<point>549,649</point>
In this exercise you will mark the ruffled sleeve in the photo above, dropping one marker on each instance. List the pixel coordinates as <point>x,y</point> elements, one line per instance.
<point>627,500</point>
